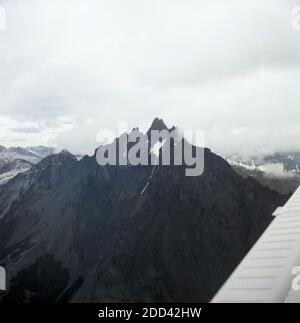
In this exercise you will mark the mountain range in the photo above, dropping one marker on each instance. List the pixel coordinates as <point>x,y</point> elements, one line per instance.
<point>74,231</point>
<point>15,160</point>
<point>279,171</point>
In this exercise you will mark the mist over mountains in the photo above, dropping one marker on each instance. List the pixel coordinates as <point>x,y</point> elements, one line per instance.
<point>279,171</point>
<point>80,77</point>
<point>74,231</point>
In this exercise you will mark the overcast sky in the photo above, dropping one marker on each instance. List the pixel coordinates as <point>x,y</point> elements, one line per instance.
<point>70,68</point>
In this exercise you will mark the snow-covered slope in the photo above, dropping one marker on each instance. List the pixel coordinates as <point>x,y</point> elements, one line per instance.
<point>15,160</point>
<point>280,171</point>
<point>13,168</point>
<point>30,154</point>
<point>278,164</point>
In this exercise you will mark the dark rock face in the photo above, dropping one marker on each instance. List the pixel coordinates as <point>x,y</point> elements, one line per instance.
<point>127,234</point>
<point>41,282</point>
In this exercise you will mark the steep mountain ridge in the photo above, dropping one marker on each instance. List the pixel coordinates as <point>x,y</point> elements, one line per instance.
<point>75,231</point>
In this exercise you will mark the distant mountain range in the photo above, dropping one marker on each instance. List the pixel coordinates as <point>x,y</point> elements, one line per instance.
<point>74,231</point>
<point>17,160</point>
<point>279,171</point>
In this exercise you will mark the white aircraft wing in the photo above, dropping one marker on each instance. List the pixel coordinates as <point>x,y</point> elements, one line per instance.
<point>267,273</point>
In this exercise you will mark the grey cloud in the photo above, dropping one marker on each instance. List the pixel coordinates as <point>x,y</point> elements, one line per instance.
<point>26,130</point>
<point>75,67</point>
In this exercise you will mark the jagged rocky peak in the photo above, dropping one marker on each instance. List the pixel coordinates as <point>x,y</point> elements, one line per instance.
<point>62,157</point>
<point>158,124</point>
<point>64,152</point>
<point>153,229</point>
<point>125,234</point>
